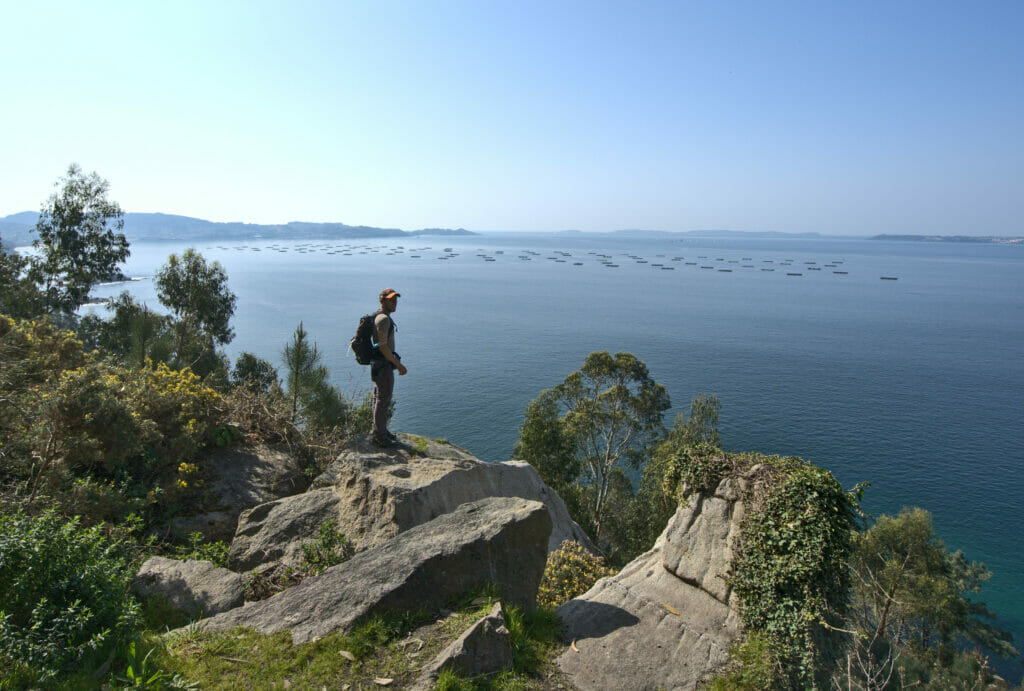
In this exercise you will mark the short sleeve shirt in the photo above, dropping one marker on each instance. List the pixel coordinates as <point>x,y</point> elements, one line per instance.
<point>382,332</point>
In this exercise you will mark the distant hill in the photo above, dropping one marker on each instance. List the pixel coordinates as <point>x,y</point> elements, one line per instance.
<point>951,238</point>
<point>714,233</point>
<point>18,229</point>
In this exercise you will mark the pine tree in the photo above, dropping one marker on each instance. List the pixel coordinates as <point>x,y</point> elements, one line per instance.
<point>305,373</point>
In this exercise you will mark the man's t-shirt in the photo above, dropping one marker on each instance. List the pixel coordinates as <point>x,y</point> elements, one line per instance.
<point>383,333</point>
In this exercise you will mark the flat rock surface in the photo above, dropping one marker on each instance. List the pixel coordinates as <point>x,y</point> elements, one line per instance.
<point>495,540</point>
<point>383,492</point>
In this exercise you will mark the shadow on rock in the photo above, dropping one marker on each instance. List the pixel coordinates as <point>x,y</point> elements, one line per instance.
<point>593,619</point>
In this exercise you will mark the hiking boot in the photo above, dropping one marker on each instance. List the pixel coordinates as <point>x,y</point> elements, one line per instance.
<point>383,443</point>
<point>393,438</point>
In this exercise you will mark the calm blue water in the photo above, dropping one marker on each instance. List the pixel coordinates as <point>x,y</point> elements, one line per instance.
<point>916,385</point>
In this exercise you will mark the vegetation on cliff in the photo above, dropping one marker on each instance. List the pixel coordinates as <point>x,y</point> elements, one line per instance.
<point>827,595</point>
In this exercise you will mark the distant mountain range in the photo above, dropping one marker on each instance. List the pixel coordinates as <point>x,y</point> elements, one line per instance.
<point>19,229</point>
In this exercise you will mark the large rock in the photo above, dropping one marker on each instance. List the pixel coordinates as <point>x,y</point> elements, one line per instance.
<point>702,537</point>
<point>668,619</point>
<point>243,477</point>
<point>386,491</point>
<point>496,540</point>
<point>274,532</point>
<point>375,494</point>
<point>195,588</point>
<point>484,648</point>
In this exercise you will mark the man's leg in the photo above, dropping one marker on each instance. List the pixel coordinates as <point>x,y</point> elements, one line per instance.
<point>383,387</point>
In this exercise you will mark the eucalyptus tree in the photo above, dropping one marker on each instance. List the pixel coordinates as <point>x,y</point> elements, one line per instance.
<point>603,416</point>
<point>197,292</point>
<point>80,241</point>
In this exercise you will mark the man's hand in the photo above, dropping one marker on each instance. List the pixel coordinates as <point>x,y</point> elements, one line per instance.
<point>401,369</point>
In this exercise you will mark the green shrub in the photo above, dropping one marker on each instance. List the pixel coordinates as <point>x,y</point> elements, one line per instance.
<point>754,664</point>
<point>791,569</point>
<point>533,635</point>
<point>215,551</point>
<point>140,673</point>
<point>63,594</point>
<point>329,548</point>
<point>569,572</point>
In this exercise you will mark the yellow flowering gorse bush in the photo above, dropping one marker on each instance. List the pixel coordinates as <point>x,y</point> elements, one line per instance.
<point>570,571</point>
<point>72,421</point>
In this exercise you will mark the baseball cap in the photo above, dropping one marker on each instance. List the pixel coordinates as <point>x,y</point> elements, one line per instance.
<point>389,293</point>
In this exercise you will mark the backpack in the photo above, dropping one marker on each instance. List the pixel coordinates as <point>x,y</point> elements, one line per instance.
<point>362,343</point>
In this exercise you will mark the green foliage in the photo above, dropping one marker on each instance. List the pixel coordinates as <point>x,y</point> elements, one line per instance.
<point>79,240</point>
<point>570,571</point>
<point>314,402</point>
<point>688,448</point>
<point>89,431</point>
<point>19,296</point>
<point>140,673</point>
<point>197,293</point>
<point>790,571</point>
<point>912,603</point>
<point>133,333</point>
<point>942,668</point>
<point>700,427</point>
<point>530,633</point>
<point>226,435</point>
<point>448,680</point>
<point>304,373</point>
<point>329,548</point>
<point>254,372</point>
<point>753,665</point>
<point>215,551</point>
<point>63,594</point>
<point>611,411</point>
<point>545,444</point>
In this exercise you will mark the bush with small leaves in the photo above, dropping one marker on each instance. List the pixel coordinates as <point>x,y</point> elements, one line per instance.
<point>63,594</point>
<point>329,548</point>
<point>570,571</point>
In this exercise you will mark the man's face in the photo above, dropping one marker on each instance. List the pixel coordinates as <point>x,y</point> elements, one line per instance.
<point>391,303</point>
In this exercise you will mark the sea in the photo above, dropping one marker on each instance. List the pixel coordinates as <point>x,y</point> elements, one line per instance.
<point>890,362</point>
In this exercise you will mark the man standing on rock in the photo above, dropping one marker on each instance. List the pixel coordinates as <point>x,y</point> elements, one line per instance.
<point>382,369</point>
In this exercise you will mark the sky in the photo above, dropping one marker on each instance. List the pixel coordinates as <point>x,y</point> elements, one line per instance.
<point>853,118</point>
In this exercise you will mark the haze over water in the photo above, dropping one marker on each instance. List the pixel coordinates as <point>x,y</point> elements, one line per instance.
<point>915,385</point>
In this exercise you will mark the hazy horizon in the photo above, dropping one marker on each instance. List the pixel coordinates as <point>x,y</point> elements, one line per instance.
<point>546,232</point>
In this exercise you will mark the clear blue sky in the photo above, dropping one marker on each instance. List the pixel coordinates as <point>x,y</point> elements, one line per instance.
<point>841,118</point>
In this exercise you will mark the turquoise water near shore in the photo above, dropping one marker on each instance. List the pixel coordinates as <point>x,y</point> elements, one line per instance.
<point>915,384</point>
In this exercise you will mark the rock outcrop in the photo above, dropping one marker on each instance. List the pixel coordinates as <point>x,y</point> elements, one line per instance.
<point>498,540</point>
<point>243,477</point>
<point>484,648</point>
<point>667,620</point>
<point>195,588</point>
<point>375,494</point>
<point>430,522</point>
<point>273,533</point>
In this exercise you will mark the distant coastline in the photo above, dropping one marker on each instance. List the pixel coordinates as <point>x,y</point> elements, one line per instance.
<point>991,239</point>
<point>19,230</point>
